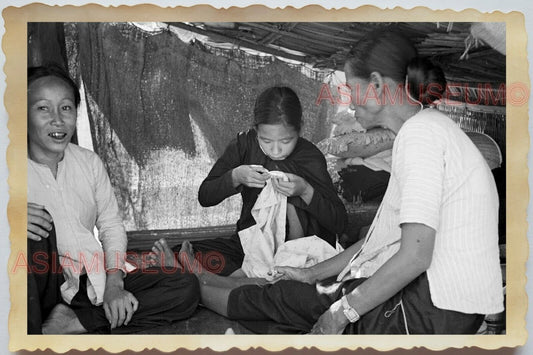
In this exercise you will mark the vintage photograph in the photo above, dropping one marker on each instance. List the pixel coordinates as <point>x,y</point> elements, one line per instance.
<point>257,178</point>
<point>185,117</point>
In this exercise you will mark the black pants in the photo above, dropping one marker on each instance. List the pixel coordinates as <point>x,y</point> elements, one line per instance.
<point>294,307</point>
<point>163,298</point>
<point>44,280</point>
<point>164,295</point>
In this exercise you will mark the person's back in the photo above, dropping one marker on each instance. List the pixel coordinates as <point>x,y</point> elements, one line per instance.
<point>465,273</point>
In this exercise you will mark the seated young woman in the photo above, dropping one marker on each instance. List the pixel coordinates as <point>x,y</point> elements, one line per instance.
<point>430,261</point>
<point>274,143</point>
<point>76,283</point>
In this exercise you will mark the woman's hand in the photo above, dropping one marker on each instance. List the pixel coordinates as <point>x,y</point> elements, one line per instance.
<point>296,186</point>
<point>332,321</point>
<point>293,273</point>
<point>119,304</point>
<point>39,222</point>
<point>250,175</point>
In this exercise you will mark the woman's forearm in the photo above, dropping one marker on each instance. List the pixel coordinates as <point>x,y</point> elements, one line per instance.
<point>334,265</point>
<point>413,258</point>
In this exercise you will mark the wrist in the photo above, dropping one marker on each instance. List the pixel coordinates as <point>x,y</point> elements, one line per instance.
<point>312,274</point>
<point>338,313</point>
<point>349,312</point>
<point>114,277</point>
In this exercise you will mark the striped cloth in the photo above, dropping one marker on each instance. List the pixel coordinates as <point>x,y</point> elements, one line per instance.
<point>440,179</point>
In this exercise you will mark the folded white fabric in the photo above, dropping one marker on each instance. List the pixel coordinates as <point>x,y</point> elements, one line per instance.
<point>264,243</point>
<point>304,252</point>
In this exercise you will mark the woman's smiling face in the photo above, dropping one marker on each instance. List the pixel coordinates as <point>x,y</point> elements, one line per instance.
<point>51,117</point>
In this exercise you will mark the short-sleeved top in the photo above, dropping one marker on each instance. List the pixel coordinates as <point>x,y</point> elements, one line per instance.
<point>78,199</point>
<point>324,216</point>
<point>440,179</point>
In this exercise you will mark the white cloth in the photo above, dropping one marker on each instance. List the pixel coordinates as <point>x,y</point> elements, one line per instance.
<point>264,243</point>
<point>440,179</point>
<point>80,198</point>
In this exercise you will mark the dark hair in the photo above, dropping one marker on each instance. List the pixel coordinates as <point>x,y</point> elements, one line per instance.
<point>394,56</point>
<point>426,81</point>
<point>278,105</point>
<point>35,73</point>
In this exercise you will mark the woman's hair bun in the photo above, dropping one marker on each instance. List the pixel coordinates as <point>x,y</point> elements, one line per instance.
<point>425,80</point>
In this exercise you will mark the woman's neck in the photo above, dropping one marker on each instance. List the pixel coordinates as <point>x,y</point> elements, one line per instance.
<point>398,109</point>
<point>396,115</point>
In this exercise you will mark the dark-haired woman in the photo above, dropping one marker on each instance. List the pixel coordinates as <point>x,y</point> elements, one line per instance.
<point>429,263</point>
<point>76,282</point>
<point>273,143</point>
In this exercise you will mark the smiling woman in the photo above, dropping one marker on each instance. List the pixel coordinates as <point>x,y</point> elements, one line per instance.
<point>69,194</point>
<point>52,102</point>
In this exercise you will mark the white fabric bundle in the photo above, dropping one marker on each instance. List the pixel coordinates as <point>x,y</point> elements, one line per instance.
<point>264,243</point>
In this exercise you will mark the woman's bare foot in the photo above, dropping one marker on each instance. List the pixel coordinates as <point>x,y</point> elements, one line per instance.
<point>62,320</point>
<point>163,255</point>
<point>187,259</point>
<point>238,278</point>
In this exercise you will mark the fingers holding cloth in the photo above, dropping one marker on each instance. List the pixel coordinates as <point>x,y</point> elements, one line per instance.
<point>250,176</point>
<point>292,185</point>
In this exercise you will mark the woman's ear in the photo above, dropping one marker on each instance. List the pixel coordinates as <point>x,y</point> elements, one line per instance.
<point>377,80</point>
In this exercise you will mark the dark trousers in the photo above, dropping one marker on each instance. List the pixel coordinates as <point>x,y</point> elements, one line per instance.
<point>163,298</point>
<point>294,307</point>
<point>164,295</point>
<point>44,280</point>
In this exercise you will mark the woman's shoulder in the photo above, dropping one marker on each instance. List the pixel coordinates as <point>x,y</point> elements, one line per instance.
<point>82,155</point>
<point>246,138</point>
<point>429,114</point>
<point>428,119</point>
<point>307,144</point>
<point>433,127</point>
<point>76,150</point>
<point>247,134</point>
<point>307,149</point>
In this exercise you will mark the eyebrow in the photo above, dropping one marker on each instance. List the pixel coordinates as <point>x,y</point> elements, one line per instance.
<point>45,99</point>
<point>281,139</point>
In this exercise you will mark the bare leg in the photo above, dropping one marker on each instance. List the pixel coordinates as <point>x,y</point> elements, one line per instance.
<point>163,255</point>
<point>214,289</point>
<point>215,298</point>
<point>187,260</point>
<point>62,320</point>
